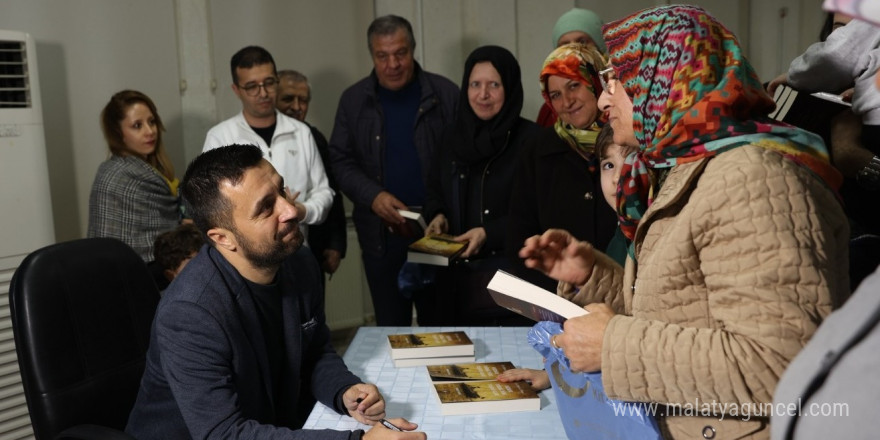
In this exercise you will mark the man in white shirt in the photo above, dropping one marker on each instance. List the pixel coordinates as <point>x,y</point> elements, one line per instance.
<point>286,143</point>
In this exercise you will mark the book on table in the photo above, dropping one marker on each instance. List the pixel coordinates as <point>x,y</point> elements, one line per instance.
<point>467,371</point>
<point>438,250</point>
<point>485,396</point>
<point>414,225</point>
<point>529,300</point>
<point>810,111</point>
<point>434,348</point>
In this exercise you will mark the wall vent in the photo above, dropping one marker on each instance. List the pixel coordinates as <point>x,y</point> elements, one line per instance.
<point>14,84</point>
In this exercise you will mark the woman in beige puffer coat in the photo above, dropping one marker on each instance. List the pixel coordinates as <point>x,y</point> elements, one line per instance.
<point>739,243</point>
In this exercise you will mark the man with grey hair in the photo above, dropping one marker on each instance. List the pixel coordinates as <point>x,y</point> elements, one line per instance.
<point>386,131</point>
<point>327,240</point>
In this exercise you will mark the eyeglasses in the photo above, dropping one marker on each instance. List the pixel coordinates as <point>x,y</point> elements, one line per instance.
<point>605,78</point>
<point>253,89</point>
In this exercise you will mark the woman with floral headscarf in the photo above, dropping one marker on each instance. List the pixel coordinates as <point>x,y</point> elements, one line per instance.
<point>469,187</point>
<point>557,183</point>
<point>739,243</point>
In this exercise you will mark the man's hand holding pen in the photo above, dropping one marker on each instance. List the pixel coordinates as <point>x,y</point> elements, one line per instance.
<point>366,405</point>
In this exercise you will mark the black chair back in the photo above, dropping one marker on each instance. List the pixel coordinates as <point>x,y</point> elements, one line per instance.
<point>81,316</point>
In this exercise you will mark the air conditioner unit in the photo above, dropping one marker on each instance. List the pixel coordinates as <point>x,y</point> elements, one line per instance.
<point>25,205</point>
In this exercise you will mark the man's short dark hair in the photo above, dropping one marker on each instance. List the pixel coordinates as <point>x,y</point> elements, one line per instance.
<point>388,25</point>
<point>200,189</point>
<point>249,57</point>
<point>174,246</point>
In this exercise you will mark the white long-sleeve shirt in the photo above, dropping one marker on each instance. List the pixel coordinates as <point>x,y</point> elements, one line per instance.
<point>293,154</point>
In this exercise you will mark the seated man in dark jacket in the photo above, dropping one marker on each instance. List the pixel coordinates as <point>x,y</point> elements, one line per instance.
<point>239,346</point>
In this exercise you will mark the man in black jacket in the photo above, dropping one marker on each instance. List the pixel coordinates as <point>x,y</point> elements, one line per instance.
<point>387,126</point>
<point>239,347</point>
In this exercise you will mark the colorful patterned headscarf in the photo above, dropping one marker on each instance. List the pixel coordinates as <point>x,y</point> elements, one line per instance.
<point>578,63</point>
<point>694,95</point>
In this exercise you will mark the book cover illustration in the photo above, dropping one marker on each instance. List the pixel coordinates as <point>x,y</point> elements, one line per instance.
<point>441,244</point>
<point>426,340</point>
<point>470,371</point>
<point>486,390</point>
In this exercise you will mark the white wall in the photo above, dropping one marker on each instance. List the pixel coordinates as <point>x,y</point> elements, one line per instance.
<point>89,49</point>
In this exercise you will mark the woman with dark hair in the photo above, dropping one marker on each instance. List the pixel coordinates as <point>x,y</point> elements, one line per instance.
<point>557,184</point>
<point>739,242</point>
<point>469,183</point>
<point>134,196</point>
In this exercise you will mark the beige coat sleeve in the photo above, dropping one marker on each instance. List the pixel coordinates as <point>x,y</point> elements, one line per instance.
<point>604,285</point>
<point>759,255</point>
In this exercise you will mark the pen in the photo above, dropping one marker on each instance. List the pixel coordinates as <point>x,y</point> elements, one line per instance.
<point>384,422</point>
<point>389,425</point>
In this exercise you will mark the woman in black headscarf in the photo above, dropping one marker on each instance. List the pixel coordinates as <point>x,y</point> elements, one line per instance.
<point>469,185</point>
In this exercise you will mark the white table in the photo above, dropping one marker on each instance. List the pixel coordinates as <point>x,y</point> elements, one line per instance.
<point>407,390</point>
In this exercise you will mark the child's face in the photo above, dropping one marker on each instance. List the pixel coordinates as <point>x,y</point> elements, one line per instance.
<point>610,173</point>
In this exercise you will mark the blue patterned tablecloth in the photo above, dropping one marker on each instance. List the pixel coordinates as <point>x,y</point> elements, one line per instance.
<point>407,390</point>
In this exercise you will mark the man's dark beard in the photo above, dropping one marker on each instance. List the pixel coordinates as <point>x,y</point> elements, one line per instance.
<point>272,257</point>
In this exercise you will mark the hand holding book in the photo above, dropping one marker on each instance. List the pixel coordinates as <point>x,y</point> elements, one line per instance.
<point>475,238</point>
<point>439,225</point>
<point>582,338</point>
<point>385,205</point>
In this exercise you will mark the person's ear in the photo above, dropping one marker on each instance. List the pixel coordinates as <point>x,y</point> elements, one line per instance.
<point>222,238</point>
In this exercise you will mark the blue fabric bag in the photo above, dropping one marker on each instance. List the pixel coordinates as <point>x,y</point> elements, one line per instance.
<point>585,409</point>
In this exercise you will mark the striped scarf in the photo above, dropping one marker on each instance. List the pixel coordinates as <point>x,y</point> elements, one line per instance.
<point>694,95</point>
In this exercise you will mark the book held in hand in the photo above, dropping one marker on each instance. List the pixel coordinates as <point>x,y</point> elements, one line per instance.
<point>487,396</point>
<point>529,300</point>
<point>413,227</point>
<point>469,371</point>
<point>415,349</point>
<point>438,250</point>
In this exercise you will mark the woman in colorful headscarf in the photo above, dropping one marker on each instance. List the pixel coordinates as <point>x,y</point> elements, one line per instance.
<point>575,26</point>
<point>739,243</point>
<point>469,186</point>
<point>557,184</point>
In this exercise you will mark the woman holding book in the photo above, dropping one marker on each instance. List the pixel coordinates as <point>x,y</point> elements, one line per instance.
<point>557,184</point>
<point>469,185</point>
<point>134,195</point>
<point>739,242</point>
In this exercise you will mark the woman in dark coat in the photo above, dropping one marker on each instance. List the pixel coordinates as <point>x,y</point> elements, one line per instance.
<point>557,181</point>
<point>469,186</point>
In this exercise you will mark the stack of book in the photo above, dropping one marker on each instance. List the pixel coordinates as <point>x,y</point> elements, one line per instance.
<point>415,349</point>
<point>472,389</point>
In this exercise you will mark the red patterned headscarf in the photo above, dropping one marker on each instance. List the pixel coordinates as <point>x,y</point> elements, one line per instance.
<point>580,63</point>
<point>694,95</point>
